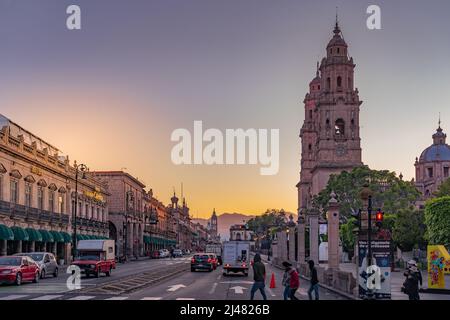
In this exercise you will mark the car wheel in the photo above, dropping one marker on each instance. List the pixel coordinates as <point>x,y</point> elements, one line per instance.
<point>18,281</point>
<point>55,274</point>
<point>246,274</point>
<point>97,273</point>
<point>108,273</point>
<point>43,274</point>
<point>36,277</point>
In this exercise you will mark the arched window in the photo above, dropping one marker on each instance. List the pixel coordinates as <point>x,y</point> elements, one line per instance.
<point>310,114</point>
<point>349,83</point>
<point>339,127</point>
<point>339,82</point>
<point>328,83</point>
<point>310,147</point>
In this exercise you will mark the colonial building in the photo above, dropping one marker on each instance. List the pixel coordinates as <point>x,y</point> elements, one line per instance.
<point>239,232</point>
<point>182,220</point>
<point>330,137</point>
<point>433,165</point>
<point>37,197</point>
<point>160,225</point>
<point>126,211</point>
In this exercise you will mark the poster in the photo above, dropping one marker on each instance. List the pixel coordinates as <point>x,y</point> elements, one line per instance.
<point>381,253</point>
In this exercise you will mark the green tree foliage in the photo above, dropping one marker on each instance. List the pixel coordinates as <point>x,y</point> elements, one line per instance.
<point>389,192</point>
<point>444,189</point>
<point>437,220</point>
<point>269,223</point>
<point>409,229</point>
<point>347,235</point>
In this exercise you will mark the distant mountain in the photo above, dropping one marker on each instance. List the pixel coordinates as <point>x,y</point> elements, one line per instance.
<point>226,220</point>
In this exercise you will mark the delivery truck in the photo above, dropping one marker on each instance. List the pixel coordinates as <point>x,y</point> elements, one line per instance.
<point>95,257</point>
<point>236,257</point>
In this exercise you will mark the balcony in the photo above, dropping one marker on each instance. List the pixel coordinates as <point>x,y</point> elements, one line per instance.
<point>17,211</point>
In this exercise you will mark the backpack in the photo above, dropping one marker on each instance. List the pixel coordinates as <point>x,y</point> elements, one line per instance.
<point>294,281</point>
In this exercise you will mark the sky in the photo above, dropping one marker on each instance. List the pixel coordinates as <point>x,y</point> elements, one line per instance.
<point>110,95</point>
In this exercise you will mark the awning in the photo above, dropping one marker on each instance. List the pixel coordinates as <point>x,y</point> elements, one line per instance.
<point>20,234</point>
<point>146,239</point>
<point>6,233</point>
<point>57,236</point>
<point>66,236</point>
<point>34,235</point>
<point>81,237</point>
<point>46,236</point>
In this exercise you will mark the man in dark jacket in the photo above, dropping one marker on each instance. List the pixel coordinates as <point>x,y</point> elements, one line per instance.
<point>413,279</point>
<point>314,281</point>
<point>259,276</point>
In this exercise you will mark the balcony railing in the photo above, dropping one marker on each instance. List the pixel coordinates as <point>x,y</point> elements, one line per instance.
<point>13,210</point>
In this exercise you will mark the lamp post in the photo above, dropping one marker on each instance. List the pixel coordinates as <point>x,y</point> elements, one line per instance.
<point>366,195</point>
<point>83,169</point>
<point>129,199</point>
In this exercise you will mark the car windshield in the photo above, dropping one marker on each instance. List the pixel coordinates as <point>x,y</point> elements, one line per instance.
<point>36,256</point>
<point>201,257</point>
<point>91,256</point>
<point>8,261</point>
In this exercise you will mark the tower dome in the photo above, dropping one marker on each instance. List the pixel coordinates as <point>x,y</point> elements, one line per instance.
<point>439,150</point>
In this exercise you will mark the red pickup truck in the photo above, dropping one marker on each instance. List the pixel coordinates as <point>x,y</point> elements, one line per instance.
<point>95,257</point>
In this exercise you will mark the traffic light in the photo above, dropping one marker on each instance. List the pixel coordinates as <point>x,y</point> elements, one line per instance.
<point>379,218</point>
<point>357,216</point>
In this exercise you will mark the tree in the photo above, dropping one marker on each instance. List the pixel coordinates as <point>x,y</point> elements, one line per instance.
<point>437,220</point>
<point>444,189</point>
<point>347,236</point>
<point>389,192</point>
<point>408,229</point>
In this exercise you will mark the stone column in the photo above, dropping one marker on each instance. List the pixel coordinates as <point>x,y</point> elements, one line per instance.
<point>3,247</point>
<point>19,246</point>
<point>301,238</point>
<point>284,252</point>
<point>32,246</point>
<point>314,236</point>
<point>291,253</point>
<point>333,233</point>
<point>55,249</point>
<point>274,253</point>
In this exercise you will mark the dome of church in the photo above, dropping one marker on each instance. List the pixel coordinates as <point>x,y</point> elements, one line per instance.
<point>439,150</point>
<point>337,39</point>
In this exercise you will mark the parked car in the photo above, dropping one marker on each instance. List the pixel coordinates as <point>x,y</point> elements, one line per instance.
<point>46,262</point>
<point>164,253</point>
<point>154,254</point>
<point>177,253</point>
<point>15,270</point>
<point>202,261</point>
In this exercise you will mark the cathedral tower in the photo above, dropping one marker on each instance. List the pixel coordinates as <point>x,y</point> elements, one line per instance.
<point>330,137</point>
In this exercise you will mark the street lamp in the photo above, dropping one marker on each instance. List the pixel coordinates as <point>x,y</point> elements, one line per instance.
<point>130,199</point>
<point>83,169</point>
<point>366,195</point>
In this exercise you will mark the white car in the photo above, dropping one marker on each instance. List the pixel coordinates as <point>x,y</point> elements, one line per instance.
<point>164,253</point>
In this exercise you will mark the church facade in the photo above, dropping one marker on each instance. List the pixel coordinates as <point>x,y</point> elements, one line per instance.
<point>330,135</point>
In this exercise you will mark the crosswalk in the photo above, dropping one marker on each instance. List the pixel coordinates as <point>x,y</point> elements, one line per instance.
<point>76,298</point>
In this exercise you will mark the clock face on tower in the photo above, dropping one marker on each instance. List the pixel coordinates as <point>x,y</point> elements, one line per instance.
<point>341,150</point>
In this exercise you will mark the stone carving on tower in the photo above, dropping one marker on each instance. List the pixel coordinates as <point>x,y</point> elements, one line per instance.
<point>330,135</point>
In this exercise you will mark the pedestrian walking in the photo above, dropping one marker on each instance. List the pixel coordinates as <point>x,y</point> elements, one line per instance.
<point>259,276</point>
<point>286,280</point>
<point>413,279</point>
<point>294,283</point>
<point>171,253</point>
<point>314,286</point>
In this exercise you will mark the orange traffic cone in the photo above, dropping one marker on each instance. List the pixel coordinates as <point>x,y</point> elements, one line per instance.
<point>272,281</point>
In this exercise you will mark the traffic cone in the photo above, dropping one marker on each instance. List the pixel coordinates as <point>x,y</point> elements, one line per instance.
<point>272,281</point>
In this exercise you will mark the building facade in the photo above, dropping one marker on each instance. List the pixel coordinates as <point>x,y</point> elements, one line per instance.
<point>37,197</point>
<point>213,228</point>
<point>330,137</point>
<point>126,212</point>
<point>239,232</point>
<point>184,233</point>
<point>433,165</point>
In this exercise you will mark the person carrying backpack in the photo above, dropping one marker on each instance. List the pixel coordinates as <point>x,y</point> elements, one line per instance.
<point>292,280</point>
<point>413,279</point>
<point>314,281</point>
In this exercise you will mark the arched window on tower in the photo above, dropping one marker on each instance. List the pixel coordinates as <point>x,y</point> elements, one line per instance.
<point>328,83</point>
<point>349,83</point>
<point>339,82</point>
<point>310,147</point>
<point>310,114</point>
<point>339,127</point>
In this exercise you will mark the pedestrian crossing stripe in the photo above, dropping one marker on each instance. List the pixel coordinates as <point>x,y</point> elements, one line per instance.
<point>151,298</point>
<point>117,298</point>
<point>48,297</point>
<point>82,298</point>
<point>13,297</point>
<point>185,299</point>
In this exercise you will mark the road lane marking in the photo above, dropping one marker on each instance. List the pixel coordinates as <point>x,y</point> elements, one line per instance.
<point>14,297</point>
<point>82,298</point>
<point>151,298</point>
<point>176,287</point>
<point>238,289</point>
<point>48,297</point>
<point>236,282</point>
<point>213,288</point>
<point>271,292</point>
<point>185,299</point>
<point>117,298</point>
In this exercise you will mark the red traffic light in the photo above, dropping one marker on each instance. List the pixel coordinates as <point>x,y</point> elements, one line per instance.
<point>379,216</point>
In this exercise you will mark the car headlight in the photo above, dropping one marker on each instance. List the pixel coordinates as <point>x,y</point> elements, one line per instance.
<point>7,271</point>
